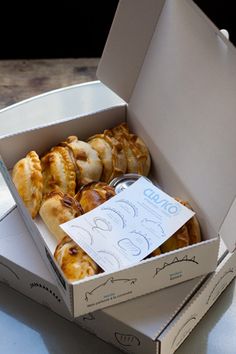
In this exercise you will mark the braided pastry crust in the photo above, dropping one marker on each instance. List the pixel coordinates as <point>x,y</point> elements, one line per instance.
<point>28,179</point>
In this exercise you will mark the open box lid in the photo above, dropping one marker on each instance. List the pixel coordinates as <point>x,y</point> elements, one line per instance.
<point>177,72</point>
<point>132,32</point>
<point>127,43</point>
<point>228,228</point>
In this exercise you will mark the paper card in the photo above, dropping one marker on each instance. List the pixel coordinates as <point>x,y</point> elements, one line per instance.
<point>129,226</point>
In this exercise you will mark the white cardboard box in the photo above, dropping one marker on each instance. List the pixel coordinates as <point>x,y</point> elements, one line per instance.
<point>155,323</point>
<point>93,293</point>
<point>150,324</point>
<point>177,73</point>
<point>21,266</point>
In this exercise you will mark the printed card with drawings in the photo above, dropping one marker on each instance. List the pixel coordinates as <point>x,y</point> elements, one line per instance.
<point>129,226</point>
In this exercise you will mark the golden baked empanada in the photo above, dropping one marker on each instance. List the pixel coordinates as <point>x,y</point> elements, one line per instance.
<point>141,152</point>
<point>114,160</point>
<point>58,171</point>
<point>187,235</point>
<point>86,159</point>
<point>137,154</point>
<point>27,177</point>
<point>192,225</point>
<point>121,133</point>
<point>74,262</point>
<point>58,208</point>
<point>93,195</point>
<point>178,240</point>
<point>118,155</point>
<point>156,252</point>
<point>104,150</point>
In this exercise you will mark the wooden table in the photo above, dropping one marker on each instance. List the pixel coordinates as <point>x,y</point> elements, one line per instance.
<point>21,79</point>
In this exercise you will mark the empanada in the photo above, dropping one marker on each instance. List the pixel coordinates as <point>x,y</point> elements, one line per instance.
<point>192,225</point>
<point>156,252</point>
<point>141,152</point>
<point>58,171</point>
<point>58,208</point>
<point>86,159</point>
<point>188,234</point>
<point>113,158</point>
<point>104,151</point>
<point>178,240</point>
<point>121,133</point>
<point>93,195</point>
<point>27,177</point>
<point>137,154</point>
<point>119,160</point>
<point>74,262</point>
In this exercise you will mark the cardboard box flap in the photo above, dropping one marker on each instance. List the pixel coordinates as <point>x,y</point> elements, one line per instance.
<point>228,228</point>
<point>131,33</point>
<point>127,43</point>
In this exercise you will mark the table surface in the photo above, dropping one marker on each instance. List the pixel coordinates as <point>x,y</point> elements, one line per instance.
<point>27,327</point>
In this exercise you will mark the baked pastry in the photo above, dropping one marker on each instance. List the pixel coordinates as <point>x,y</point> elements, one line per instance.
<point>156,252</point>
<point>93,195</point>
<point>188,234</point>
<point>178,240</point>
<point>142,154</point>
<point>58,208</point>
<point>86,158</point>
<point>137,154</point>
<point>58,171</point>
<point>104,150</point>
<point>121,133</point>
<point>111,153</point>
<point>118,155</point>
<point>74,262</point>
<point>192,225</point>
<point>28,179</point>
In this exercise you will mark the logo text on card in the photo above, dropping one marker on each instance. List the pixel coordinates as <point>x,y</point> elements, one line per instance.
<point>171,208</point>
